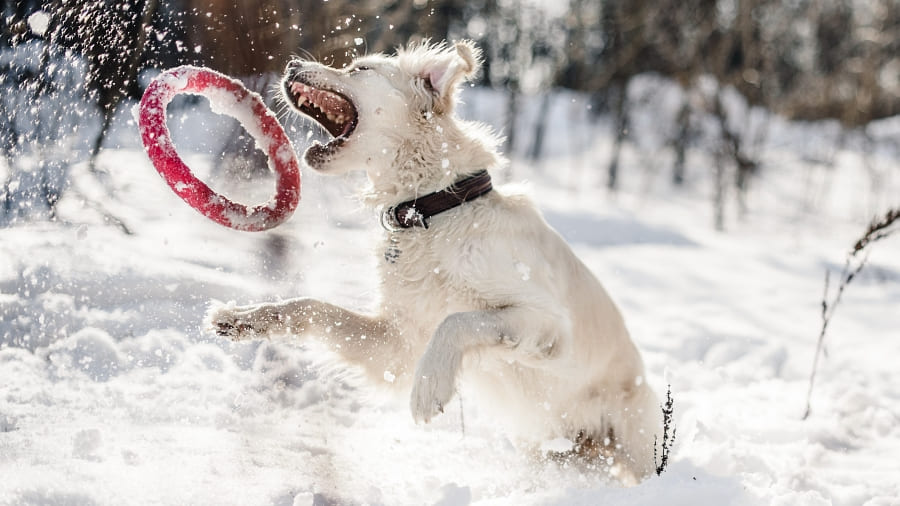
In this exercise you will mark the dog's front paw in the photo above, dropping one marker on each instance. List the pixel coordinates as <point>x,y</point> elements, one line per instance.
<point>241,323</point>
<point>432,390</point>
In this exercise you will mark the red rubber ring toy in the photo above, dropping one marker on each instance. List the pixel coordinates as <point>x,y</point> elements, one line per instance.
<point>230,97</point>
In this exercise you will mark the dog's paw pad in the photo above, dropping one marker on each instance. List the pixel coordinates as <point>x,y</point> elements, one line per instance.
<point>226,322</point>
<point>224,329</point>
<point>235,331</point>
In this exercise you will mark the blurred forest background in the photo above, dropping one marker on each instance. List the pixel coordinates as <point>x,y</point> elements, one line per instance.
<point>735,63</point>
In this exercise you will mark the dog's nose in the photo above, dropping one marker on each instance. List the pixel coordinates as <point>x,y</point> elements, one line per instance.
<point>293,66</point>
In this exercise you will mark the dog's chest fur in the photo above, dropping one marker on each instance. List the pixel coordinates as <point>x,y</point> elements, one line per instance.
<point>425,274</point>
<point>415,270</point>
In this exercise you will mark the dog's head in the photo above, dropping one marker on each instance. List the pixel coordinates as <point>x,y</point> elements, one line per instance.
<point>375,104</point>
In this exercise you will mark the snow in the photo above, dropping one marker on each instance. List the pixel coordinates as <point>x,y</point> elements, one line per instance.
<point>111,393</point>
<point>38,22</point>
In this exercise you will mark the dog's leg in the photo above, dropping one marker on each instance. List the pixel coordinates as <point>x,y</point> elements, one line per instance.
<point>527,337</point>
<point>364,340</point>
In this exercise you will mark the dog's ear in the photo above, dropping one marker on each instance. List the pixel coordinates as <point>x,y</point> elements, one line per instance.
<point>447,69</point>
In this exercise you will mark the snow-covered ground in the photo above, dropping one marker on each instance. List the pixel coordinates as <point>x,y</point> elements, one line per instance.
<point>111,393</point>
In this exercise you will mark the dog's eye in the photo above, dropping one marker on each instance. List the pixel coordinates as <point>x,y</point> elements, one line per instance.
<point>359,69</point>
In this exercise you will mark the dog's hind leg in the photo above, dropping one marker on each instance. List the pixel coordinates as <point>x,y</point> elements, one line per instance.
<point>363,340</point>
<point>527,334</point>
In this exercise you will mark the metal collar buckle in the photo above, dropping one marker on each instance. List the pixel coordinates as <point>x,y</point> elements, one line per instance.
<point>411,218</point>
<point>389,220</point>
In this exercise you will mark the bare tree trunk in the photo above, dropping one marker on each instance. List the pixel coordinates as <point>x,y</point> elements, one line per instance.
<point>619,93</point>
<point>131,70</point>
<point>734,146</point>
<point>680,143</point>
<point>512,115</point>
<point>720,189</point>
<point>241,158</point>
<point>537,144</point>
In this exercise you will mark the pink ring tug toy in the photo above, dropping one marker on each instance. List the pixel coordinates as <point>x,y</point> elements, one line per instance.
<point>230,97</point>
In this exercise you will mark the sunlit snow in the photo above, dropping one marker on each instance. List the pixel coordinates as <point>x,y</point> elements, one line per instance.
<point>112,393</point>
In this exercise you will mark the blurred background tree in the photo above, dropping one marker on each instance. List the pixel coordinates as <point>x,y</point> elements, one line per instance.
<point>803,60</point>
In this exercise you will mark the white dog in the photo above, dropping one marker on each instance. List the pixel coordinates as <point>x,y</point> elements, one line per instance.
<point>476,286</point>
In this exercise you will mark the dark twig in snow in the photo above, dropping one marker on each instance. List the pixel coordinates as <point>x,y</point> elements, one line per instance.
<point>661,460</point>
<point>878,230</point>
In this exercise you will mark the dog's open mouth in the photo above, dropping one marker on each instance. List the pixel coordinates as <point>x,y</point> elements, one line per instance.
<point>333,111</point>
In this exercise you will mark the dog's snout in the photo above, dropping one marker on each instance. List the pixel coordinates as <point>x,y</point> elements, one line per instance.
<point>293,67</point>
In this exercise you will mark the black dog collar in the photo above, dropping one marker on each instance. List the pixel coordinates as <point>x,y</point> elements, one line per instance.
<point>414,213</point>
